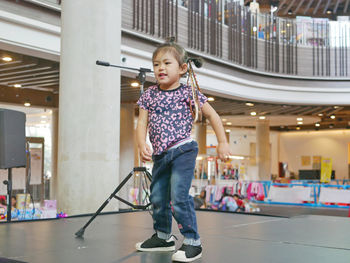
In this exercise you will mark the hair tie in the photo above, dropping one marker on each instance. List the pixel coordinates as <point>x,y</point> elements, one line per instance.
<point>171,40</point>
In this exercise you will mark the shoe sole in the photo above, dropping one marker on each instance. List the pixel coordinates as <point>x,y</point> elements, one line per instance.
<point>186,259</point>
<point>154,249</point>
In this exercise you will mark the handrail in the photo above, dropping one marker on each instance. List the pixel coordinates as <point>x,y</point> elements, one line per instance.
<point>254,41</point>
<point>53,5</point>
<point>316,187</point>
<point>311,198</point>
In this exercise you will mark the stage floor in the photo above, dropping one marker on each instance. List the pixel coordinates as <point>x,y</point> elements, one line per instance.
<point>226,237</point>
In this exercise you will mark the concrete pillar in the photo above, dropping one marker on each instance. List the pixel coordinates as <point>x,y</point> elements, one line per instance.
<point>227,133</point>
<point>127,148</point>
<point>89,109</point>
<point>200,135</point>
<point>263,152</point>
<point>54,146</point>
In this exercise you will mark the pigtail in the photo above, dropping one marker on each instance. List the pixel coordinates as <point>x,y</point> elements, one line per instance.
<point>192,81</point>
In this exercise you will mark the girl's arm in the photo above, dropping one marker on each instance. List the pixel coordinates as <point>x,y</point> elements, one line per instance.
<point>223,148</point>
<point>141,132</point>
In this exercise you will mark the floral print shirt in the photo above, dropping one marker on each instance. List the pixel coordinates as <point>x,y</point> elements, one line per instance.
<point>169,115</point>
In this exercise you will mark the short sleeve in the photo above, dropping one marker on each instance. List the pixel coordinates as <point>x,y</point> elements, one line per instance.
<point>144,100</point>
<point>202,99</point>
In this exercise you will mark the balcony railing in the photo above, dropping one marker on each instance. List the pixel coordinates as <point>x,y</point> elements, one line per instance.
<point>258,42</point>
<point>50,4</point>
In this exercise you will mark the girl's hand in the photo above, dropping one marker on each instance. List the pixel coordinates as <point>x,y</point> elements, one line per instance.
<point>223,151</point>
<point>145,153</point>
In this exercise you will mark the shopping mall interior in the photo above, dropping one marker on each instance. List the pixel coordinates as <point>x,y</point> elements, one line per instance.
<point>276,72</point>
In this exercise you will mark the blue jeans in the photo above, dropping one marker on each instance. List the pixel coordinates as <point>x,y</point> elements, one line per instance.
<point>172,175</point>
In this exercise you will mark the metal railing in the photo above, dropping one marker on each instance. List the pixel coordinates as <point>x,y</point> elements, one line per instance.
<point>49,4</point>
<point>227,31</point>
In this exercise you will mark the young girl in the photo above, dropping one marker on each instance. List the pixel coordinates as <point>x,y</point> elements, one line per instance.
<point>166,110</point>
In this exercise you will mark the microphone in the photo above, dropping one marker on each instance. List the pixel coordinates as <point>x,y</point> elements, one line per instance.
<point>102,63</point>
<point>198,62</point>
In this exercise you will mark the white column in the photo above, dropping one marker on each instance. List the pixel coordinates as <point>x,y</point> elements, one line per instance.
<point>200,135</point>
<point>127,149</point>
<point>89,110</point>
<point>227,133</point>
<point>263,152</point>
<point>54,144</point>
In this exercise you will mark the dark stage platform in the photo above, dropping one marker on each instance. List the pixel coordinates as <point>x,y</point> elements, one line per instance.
<point>226,237</point>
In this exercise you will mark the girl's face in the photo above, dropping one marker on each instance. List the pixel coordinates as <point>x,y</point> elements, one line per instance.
<point>167,70</point>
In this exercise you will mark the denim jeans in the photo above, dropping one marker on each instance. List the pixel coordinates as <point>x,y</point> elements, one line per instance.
<point>172,175</point>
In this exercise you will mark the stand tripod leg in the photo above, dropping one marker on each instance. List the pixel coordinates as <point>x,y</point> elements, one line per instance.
<point>9,195</point>
<point>81,231</point>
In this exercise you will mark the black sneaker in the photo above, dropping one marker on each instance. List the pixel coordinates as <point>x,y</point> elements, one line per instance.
<point>156,244</point>
<point>187,253</point>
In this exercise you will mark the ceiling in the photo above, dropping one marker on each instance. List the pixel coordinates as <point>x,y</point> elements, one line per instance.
<point>39,80</point>
<point>282,117</point>
<point>27,79</point>
<point>313,8</point>
<point>29,72</point>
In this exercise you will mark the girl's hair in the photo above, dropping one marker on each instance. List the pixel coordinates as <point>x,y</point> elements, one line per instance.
<point>182,57</point>
<point>176,50</point>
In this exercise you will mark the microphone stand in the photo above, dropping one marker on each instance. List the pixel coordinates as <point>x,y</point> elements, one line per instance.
<point>8,182</point>
<point>146,175</point>
<point>141,76</point>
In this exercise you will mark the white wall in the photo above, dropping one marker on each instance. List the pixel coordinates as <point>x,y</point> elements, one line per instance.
<point>290,146</point>
<point>333,144</point>
<point>240,140</point>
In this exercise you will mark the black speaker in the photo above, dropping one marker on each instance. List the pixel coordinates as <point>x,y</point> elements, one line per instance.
<point>12,139</point>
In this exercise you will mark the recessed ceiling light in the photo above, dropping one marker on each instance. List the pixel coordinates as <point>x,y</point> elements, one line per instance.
<point>211,99</point>
<point>317,125</point>
<point>17,86</point>
<point>224,119</point>
<point>7,59</point>
<point>249,104</point>
<point>320,114</point>
<point>299,122</point>
<point>27,104</point>
<point>43,116</point>
<point>253,113</point>
<point>336,107</point>
<point>299,119</point>
<point>228,130</point>
<point>135,84</point>
<point>228,123</point>
<point>262,117</point>
<point>42,121</point>
<point>329,12</point>
<point>332,117</point>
